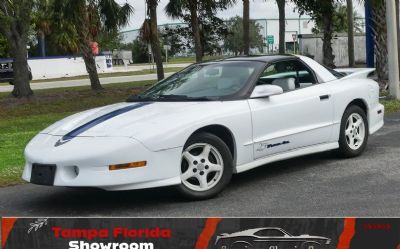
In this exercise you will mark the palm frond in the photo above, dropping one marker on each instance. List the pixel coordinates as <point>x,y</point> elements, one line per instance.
<point>174,8</point>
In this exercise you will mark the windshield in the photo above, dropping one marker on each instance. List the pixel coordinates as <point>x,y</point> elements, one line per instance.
<point>205,81</point>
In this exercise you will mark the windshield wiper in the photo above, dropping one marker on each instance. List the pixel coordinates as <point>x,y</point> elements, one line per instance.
<point>136,98</point>
<point>184,97</point>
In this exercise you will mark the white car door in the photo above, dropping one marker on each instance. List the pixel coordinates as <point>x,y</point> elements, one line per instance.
<point>300,117</point>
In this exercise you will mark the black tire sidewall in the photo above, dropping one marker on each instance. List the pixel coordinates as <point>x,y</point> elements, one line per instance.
<point>344,149</point>
<point>223,149</point>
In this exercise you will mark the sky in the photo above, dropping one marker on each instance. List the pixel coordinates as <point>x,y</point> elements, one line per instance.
<point>259,9</point>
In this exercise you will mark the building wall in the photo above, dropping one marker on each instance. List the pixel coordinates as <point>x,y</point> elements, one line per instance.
<point>57,67</point>
<point>312,45</point>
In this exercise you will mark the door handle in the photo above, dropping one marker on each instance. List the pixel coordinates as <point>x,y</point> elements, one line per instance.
<point>324,97</point>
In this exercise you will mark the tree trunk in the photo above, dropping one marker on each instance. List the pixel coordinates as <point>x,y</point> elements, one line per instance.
<point>154,40</point>
<point>350,32</point>
<point>380,35</point>
<point>42,44</point>
<point>91,68</point>
<point>282,25</point>
<point>16,30</point>
<point>21,73</point>
<point>85,38</point>
<point>246,27</point>
<point>329,57</point>
<point>196,30</point>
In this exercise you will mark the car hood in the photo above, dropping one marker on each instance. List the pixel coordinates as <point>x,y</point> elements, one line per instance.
<point>151,123</point>
<point>122,119</point>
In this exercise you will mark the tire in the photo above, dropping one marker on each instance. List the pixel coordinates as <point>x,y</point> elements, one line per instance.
<point>354,132</point>
<point>206,167</point>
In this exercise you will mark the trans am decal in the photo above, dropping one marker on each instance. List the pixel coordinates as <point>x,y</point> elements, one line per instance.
<point>265,146</point>
<point>192,233</point>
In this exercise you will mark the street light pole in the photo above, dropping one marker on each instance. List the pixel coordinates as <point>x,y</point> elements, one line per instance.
<point>393,61</point>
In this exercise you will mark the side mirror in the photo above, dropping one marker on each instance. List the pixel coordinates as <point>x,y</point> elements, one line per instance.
<point>265,91</point>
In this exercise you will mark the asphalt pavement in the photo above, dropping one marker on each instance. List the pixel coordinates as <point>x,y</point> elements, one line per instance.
<point>318,186</point>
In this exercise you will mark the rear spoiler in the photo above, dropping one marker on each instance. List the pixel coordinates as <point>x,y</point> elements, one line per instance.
<point>355,73</point>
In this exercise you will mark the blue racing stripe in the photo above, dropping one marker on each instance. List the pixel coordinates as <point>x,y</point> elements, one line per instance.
<point>81,129</point>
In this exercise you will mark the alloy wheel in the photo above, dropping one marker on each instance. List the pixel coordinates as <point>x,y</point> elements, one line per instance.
<point>202,167</point>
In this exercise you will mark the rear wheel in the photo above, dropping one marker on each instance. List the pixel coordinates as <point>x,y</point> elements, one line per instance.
<point>206,167</point>
<point>353,132</point>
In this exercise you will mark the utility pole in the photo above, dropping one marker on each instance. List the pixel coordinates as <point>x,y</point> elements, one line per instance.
<point>369,35</point>
<point>393,56</point>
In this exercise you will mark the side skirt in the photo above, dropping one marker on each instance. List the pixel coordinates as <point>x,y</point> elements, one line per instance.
<point>287,155</point>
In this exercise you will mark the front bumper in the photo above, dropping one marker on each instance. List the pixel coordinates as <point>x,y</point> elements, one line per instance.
<point>84,162</point>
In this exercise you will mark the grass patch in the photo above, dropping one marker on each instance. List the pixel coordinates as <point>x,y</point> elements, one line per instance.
<point>21,120</point>
<point>391,105</point>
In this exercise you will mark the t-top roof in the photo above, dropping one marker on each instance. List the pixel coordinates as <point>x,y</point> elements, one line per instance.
<point>263,58</point>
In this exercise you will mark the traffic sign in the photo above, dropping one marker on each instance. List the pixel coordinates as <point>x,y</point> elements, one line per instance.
<point>270,39</point>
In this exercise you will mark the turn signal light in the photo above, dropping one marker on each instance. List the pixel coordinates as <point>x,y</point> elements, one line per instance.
<point>128,165</point>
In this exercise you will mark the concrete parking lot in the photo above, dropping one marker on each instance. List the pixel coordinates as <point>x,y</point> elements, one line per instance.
<point>317,185</point>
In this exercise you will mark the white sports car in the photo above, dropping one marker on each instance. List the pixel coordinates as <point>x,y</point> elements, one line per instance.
<point>201,125</point>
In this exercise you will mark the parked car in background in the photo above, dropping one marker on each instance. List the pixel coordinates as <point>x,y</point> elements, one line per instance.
<point>7,72</point>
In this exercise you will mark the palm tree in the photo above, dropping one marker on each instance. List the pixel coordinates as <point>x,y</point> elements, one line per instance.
<point>321,12</point>
<point>174,10</point>
<point>246,27</point>
<point>282,25</point>
<point>380,36</point>
<point>89,18</point>
<point>149,33</point>
<point>41,20</point>
<point>190,9</point>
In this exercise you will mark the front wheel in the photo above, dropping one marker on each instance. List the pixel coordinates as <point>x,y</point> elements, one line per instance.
<point>353,132</point>
<point>206,167</point>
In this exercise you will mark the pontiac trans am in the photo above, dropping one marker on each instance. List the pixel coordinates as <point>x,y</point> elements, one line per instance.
<point>269,238</point>
<point>196,128</point>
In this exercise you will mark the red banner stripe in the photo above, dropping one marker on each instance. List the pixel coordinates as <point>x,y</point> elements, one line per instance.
<point>6,226</point>
<point>207,233</point>
<point>349,230</point>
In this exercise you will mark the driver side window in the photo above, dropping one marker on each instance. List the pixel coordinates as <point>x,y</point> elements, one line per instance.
<point>289,75</point>
<point>282,74</point>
